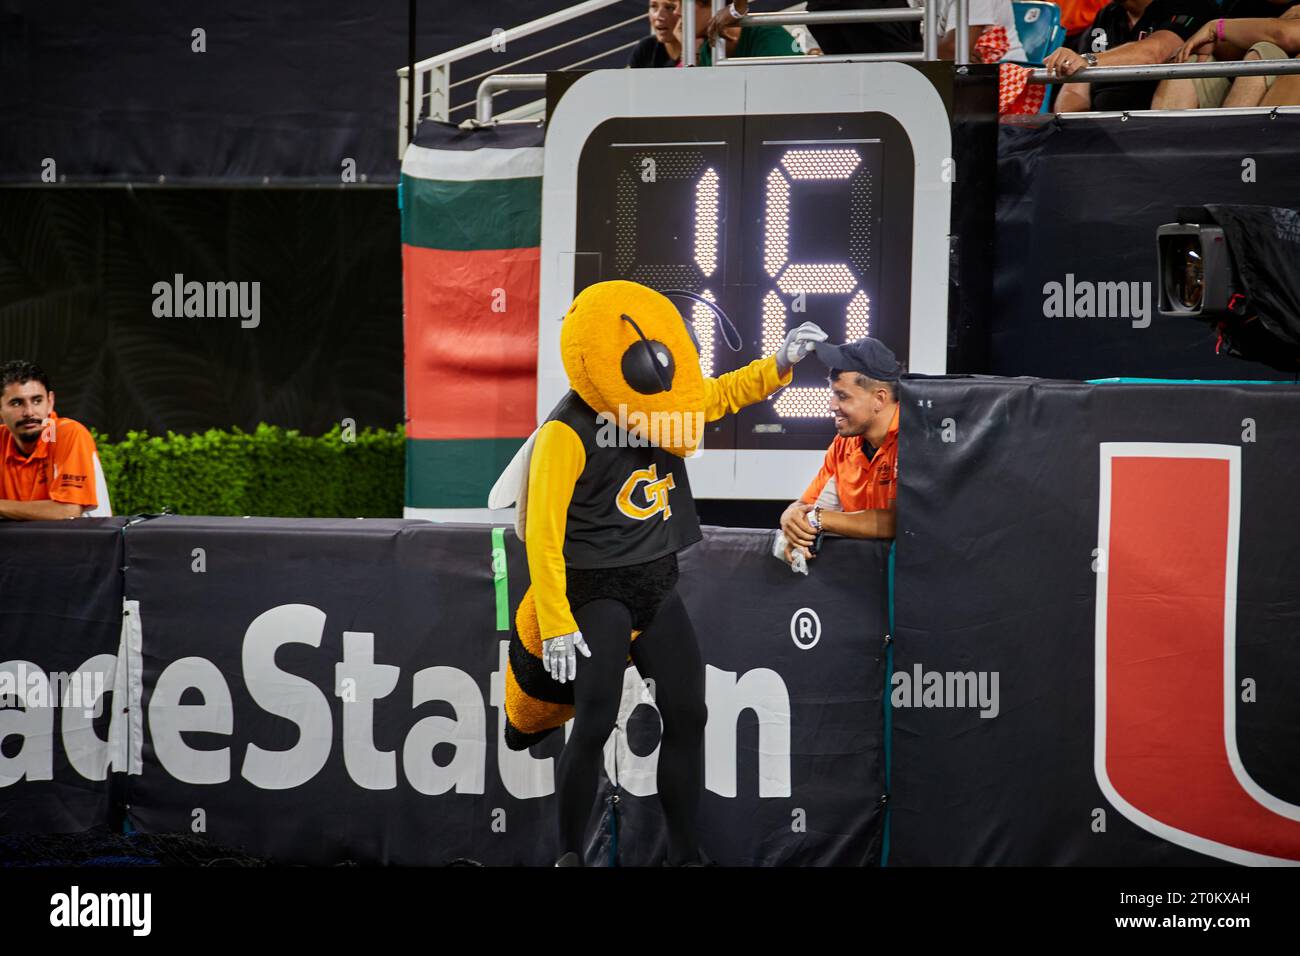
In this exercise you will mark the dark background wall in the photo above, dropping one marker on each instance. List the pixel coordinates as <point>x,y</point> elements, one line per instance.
<point>1084,198</point>
<point>77,271</point>
<point>263,120</point>
<point>286,90</point>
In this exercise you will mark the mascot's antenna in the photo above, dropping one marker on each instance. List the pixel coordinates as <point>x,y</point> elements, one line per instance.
<point>724,322</point>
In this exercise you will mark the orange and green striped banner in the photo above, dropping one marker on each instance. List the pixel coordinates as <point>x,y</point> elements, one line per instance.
<point>471,225</point>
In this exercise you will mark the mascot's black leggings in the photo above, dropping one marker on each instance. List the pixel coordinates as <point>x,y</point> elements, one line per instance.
<point>666,652</point>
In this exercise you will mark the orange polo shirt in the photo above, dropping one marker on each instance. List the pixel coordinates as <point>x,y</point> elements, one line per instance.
<point>60,469</point>
<point>1078,15</point>
<point>862,483</point>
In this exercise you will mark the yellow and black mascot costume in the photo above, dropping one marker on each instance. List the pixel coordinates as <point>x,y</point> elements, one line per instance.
<point>602,522</point>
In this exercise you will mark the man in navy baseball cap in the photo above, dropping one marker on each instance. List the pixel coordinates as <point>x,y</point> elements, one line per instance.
<point>871,357</point>
<point>853,493</point>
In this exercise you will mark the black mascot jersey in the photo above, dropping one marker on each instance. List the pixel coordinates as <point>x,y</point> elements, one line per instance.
<point>631,504</point>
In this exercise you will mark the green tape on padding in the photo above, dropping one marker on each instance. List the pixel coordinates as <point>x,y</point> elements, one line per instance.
<point>500,578</point>
<point>889,711</point>
<point>1187,381</point>
<point>455,473</point>
<point>462,216</point>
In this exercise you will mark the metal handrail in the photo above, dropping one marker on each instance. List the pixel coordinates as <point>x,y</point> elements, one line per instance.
<point>930,30</point>
<point>528,110</point>
<point>1200,113</point>
<point>514,33</point>
<point>432,82</point>
<point>439,84</point>
<point>597,56</point>
<point>503,81</point>
<point>559,46</point>
<point>687,16</point>
<point>961,54</point>
<point>1170,71</point>
<point>927,14</point>
<point>720,42</point>
<point>803,18</point>
<point>907,56</point>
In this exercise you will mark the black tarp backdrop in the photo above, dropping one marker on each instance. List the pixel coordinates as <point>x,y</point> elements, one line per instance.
<point>971,246</point>
<point>834,815</point>
<point>1084,197</point>
<point>1264,242</point>
<point>60,605</point>
<point>994,572</point>
<point>284,91</point>
<point>426,593</point>
<point>77,273</point>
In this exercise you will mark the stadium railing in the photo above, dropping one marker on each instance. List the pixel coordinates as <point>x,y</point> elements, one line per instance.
<point>1145,73</point>
<point>564,36</point>
<point>433,83</point>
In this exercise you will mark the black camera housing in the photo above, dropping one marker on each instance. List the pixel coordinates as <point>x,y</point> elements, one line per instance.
<point>1237,268</point>
<point>1219,287</point>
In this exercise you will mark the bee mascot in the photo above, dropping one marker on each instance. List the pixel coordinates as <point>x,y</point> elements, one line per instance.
<point>603,507</point>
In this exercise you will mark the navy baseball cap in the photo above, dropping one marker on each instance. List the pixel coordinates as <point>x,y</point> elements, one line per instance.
<point>872,357</point>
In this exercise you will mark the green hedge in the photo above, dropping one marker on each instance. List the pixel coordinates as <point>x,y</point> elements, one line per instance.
<point>272,472</point>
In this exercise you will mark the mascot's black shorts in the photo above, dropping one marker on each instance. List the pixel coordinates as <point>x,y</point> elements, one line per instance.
<point>641,588</point>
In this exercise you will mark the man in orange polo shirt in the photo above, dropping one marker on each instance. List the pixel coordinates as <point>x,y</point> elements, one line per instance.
<point>854,492</point>
<point>47,463</point>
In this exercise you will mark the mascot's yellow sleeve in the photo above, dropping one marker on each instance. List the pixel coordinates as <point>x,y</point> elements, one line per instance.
<point>558,460</point>
<point>732,391</point>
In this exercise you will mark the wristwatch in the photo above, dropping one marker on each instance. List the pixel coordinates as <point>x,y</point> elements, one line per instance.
<point>731,8</point>
<point>1091,58</point>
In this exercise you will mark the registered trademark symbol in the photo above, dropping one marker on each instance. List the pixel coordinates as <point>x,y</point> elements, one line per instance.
<point>805,628</point>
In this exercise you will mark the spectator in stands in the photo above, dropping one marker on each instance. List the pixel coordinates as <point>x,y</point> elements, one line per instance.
<point>992,28</point>
<point>838,38</point>
<point>741,41</point>
<point>1126,33</point>
<point>662,47</point>
<point>1077,16</point>
<point>853,493</point>
<point>47,463</point>
<point>993,38</point>
<point>1251,30</point>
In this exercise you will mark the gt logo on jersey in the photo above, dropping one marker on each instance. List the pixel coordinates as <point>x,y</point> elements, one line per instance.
<point>655,491</point>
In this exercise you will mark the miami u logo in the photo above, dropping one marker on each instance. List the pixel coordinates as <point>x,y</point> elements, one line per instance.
<point>1165,751</point>
<point>655,491</point>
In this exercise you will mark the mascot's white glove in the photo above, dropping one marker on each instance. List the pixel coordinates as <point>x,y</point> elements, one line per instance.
<point>558,655</point>
<point>798,343</point>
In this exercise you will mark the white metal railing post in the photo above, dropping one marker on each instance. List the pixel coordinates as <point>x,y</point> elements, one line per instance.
<point>417,91</point>
<point>440,92</point>
<point>403,101</point>
<point>930,30</point>
<point>688,32</point>
<point>962,52</point>
<point>720,44</point>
